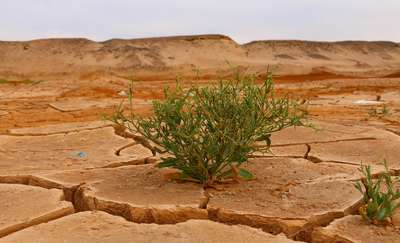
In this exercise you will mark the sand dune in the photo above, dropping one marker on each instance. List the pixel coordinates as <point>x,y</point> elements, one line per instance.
<point>192,56</point>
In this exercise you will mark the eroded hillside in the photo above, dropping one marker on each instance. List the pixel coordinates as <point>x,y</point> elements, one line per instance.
<point>204,56</point>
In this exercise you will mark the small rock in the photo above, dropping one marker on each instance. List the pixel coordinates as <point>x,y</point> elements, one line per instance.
<point>80,154</point>
<point>122,93</point>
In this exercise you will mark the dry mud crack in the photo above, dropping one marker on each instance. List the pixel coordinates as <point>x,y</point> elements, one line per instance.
<point>353,228</point>
<point>87,149</point>
<point>23,206</point>
<point>65,128</point>
<point>292,204</point>
<point>78,104</point>
<point>102,227</point>
<point>139,193</point>
<point>291,195</point>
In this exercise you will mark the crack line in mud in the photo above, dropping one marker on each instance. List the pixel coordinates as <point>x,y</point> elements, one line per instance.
<point>147,160</point>
<point>396,133</point>
<point>340,162</point>
<point>60,110</point>
<point>36,221</point>
<point>76,195</point>
<point>312,159</point>
<point>324,142</point>
<point>56,133</point>
<point>308,151</point>
<point>28,180</point>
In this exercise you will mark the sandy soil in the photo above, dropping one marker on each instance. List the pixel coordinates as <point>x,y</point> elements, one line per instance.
<point>58,156</point>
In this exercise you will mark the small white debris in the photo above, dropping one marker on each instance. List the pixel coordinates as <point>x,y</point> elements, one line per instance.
<point>367,102</point>
<point>122,93</point>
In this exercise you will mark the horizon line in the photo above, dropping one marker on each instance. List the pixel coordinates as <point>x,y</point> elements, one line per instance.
<point>171,37</point>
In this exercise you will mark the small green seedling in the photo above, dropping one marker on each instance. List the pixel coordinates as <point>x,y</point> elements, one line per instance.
<point>380,202</point>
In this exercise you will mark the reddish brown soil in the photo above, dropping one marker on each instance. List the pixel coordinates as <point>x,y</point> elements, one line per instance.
<point>54,148</point>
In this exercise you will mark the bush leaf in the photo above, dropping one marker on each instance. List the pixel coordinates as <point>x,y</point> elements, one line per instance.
<point>245,174</point>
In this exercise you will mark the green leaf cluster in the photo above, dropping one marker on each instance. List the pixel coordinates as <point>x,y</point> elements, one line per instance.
<point>380,202</point>
<point>209,132</point>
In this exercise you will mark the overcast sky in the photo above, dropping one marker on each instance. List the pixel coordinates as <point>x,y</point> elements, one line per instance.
<point>243,20</point>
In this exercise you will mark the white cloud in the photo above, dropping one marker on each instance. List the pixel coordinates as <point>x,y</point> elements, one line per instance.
<point>243,20</point>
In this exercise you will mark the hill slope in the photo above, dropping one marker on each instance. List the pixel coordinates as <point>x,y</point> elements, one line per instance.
<point>204,55</point>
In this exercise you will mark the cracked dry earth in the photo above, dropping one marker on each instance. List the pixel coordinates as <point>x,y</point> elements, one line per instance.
<point>61,179</point>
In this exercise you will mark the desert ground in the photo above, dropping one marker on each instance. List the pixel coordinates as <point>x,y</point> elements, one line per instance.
<point>61,179</point>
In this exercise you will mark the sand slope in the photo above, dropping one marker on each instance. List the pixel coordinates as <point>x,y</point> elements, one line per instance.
<point>189,56</point>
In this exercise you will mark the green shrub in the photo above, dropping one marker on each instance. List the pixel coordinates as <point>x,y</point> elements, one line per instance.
<point>379,203</point>
<point>209,132</point>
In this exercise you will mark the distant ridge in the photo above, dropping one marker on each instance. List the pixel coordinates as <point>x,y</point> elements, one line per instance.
<point>193,56</point>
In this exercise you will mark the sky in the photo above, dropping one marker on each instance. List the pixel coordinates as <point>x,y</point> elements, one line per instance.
<point>244,20</point>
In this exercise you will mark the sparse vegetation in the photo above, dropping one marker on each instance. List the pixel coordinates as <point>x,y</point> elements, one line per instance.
<point>380,111</point>
<point>209,132</point>
<point>28,81</point>
<point>380,202</point>
<point>25,81</point>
